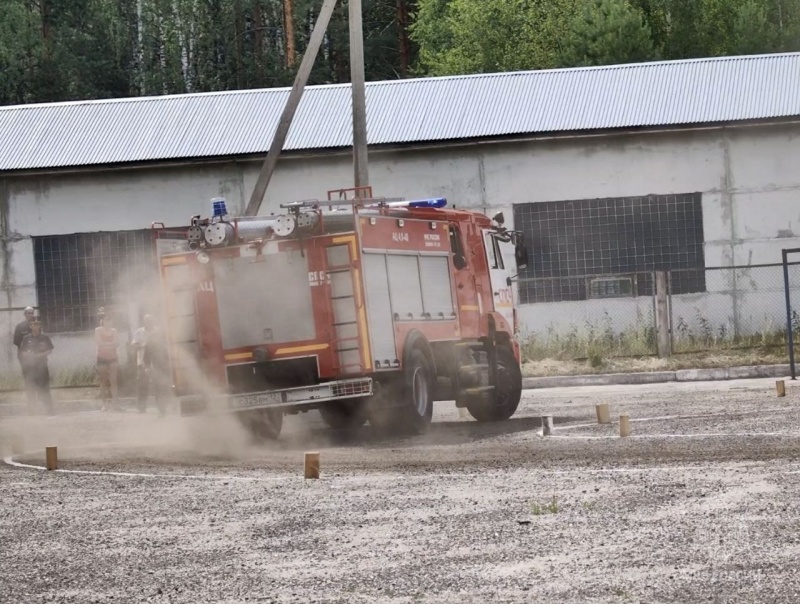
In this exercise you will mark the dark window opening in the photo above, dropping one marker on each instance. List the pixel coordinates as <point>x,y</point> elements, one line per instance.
<point>578,249</point>
<point>495,255</point>
<point>459,257</point>
<point>76,274</point>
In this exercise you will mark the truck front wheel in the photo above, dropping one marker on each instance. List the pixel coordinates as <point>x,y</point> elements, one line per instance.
<point>503,402</point>
<point>404,405</point>
<point>262,424</point>
<point>345,415</point>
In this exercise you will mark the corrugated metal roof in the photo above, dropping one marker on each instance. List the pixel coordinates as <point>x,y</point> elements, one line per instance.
<point>402,111</point>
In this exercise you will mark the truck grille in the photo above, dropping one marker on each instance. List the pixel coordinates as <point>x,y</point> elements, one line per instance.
<point>353,388</point>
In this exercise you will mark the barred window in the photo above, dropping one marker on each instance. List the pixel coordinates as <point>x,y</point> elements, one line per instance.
<point>76,274</point>
<point>569,241</point>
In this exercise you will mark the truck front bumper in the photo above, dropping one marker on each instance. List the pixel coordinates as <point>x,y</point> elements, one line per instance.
<point>303,396</point>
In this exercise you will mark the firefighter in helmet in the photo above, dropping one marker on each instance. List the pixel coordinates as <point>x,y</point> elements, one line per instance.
<point>34,350</point>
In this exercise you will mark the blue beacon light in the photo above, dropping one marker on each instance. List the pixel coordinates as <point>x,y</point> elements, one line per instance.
<point>434,202</point>
<point>218,208</point>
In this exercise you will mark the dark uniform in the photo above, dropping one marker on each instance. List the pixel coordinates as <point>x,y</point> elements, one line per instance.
<point>22,329</point>
<point>153,372</point>
<point>35,370</point>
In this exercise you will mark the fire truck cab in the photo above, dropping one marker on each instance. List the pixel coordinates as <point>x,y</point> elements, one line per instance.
<point>368,309</point>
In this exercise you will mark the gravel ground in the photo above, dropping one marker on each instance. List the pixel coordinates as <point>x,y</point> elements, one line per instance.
<point>700,504</point>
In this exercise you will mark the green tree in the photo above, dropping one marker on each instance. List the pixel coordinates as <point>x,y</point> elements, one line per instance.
<point>20,47</point>
<point>607,32</point>
<point>703,28</point>
<point>468,36</point>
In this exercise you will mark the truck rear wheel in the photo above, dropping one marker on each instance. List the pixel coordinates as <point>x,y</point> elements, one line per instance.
<point>501,404</point>
<point>262,424</point>
<point>345,415</point>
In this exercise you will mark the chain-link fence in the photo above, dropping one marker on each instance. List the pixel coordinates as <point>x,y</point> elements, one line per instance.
<point>587,318</point>
<point>711,311</point>
<point>735,313</point>
<point>741,308</point>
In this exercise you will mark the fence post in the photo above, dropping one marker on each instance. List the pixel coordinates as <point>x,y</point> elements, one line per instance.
<point>662,316</point>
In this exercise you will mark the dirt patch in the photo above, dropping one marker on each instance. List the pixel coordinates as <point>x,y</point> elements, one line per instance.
<point>698,505</point>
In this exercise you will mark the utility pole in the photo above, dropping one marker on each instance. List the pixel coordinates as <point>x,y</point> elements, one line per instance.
<point>402,27</point>
<point>265,175</point>
<point>288,20</point>
<point>361,175</point>
<point>359,95</point>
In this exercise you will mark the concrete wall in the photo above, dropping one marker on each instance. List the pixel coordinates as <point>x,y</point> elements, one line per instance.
<point>747,175</point>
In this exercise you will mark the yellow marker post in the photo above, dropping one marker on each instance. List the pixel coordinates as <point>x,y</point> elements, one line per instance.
<point>312,465</point>
<point>51,458</point>
<point>603,413</point>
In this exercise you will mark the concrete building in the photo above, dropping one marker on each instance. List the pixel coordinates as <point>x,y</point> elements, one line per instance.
<point>617,170</point>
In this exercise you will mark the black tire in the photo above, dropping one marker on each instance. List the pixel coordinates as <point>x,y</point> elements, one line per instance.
<point>345,415</point>
<point>262,424</point>
<point>405,406</point>
<point>416,396</point>
<point>502,404</point>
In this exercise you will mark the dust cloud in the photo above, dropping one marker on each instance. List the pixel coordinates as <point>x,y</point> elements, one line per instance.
<point>110,435</point>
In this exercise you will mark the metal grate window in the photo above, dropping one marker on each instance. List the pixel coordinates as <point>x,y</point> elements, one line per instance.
<point>76,274</point>
<point>619,287</point>
<point>568,240</point>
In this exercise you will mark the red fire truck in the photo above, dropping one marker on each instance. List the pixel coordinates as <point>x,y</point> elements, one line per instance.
<point>368,309</point>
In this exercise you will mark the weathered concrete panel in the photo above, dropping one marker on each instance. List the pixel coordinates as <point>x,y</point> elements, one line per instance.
<point>767,214</point>
<point>615,166</point>
<point>453,174</point>
<point>764,158</point>
<point>115,201</point>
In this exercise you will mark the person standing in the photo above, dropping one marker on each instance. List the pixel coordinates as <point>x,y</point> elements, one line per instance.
<point>107,342</point>
<point>34,350</point>
<point>151,365</point>
<point>22,329</point>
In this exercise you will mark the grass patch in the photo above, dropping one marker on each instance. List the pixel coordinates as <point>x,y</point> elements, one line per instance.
<point>594,341</point>
<point>596,347</point>
<point>63,378</point>
<point>548,508</point>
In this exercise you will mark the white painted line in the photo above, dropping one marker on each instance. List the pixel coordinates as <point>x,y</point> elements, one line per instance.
<point>698,435</point>
<point>10,461</point>
<point>561,428</point>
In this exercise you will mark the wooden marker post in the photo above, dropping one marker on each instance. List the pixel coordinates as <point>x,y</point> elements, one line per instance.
<point>547,425</point>
<point>780,386</point>
<point>624,425</point>
<point>603,413</point>
<point>312,465</point>
<point>51,458</point>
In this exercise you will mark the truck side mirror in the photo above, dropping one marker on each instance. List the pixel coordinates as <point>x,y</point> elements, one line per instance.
<point>521,256</point>
<point>499,218</point>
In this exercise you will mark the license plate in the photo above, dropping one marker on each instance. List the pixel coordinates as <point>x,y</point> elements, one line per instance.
<point>255,400</point>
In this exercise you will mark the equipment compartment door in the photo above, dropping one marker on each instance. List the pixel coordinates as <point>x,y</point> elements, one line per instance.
<point>379,311</point>
<point>181,319</point>
<point>347,309</point>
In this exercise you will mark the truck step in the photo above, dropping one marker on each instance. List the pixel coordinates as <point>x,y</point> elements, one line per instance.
<point>476,390</point>
<point>472,345</point>
<point>473,367</point>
